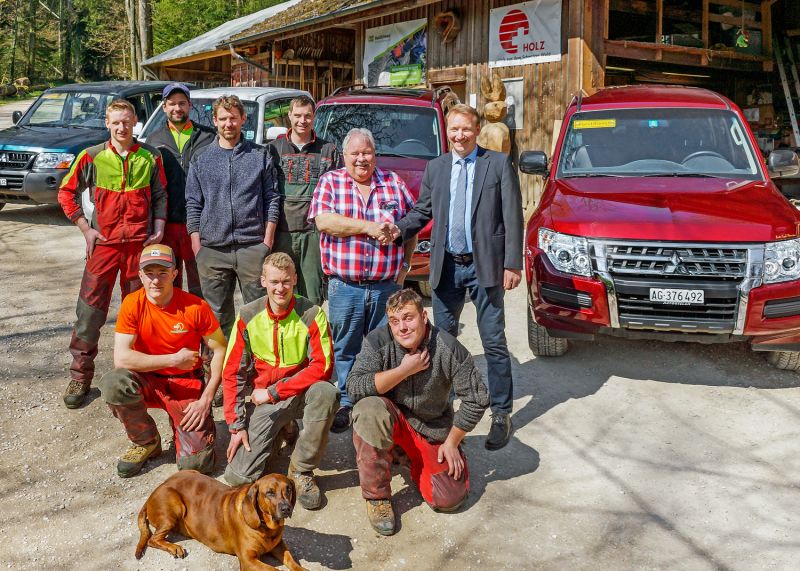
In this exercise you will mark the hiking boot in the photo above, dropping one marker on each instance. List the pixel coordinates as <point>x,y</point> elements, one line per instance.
<point>500,431</point>
<point>132,461</point>
<point>381,516</point>
<point>341,421</point>
<point>308,493</point>
<point>76,393</point>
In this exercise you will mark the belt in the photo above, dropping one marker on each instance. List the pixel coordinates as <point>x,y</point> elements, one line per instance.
<point>461,259</point>
<point>361,282</point>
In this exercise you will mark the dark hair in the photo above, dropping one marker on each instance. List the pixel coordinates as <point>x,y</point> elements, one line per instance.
<point>402,298</point>
<point>302,101</point>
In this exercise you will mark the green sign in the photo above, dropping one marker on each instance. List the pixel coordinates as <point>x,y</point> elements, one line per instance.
<point>402,75</point>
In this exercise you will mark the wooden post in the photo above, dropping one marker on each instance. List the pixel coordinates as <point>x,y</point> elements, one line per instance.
<point>766,28</point>
<point>659,25</point>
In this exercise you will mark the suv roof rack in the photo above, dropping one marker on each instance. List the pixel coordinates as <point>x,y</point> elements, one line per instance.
<point>385,90</point>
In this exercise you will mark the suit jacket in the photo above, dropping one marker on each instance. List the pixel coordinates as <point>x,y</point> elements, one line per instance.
<point>496,215</point>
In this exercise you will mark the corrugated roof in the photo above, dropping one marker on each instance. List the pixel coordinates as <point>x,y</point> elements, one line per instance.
<point>301,14</point>
<point>209,41</point>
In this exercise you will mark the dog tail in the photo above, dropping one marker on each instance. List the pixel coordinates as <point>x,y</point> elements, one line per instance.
<point>144,532</point>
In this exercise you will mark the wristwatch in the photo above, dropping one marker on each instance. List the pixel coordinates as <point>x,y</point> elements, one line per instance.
<point>406,266</point>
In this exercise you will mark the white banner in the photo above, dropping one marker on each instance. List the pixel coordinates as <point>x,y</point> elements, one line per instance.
<point>525,33</point>
<point>396,54</point>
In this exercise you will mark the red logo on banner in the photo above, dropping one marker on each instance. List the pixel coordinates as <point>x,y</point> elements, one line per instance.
<point>510,27</point>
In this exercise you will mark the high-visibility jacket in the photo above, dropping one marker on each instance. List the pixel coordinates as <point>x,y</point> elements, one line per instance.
<point>128,193</point>
<point>284,353</point>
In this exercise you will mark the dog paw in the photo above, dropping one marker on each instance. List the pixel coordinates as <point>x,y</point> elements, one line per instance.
<point>179,553</point>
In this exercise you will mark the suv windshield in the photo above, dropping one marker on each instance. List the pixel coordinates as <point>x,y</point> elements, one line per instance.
<point>201,113</point>
<point>399,130</point>
<point>70,109</point>
<point>658,142</point>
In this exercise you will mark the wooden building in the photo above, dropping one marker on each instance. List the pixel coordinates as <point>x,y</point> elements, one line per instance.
<point>726,45</point>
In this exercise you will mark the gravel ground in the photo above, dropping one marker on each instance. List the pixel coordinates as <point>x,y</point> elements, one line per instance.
<point>626,455</point>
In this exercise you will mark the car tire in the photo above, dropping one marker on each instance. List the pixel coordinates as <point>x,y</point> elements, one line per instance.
<point>425,289</point>
<point>785,360</point>
<point>542,344</point>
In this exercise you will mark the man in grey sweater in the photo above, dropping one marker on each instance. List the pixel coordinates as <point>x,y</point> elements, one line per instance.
<point>232,210</point>
<point>400,384</point>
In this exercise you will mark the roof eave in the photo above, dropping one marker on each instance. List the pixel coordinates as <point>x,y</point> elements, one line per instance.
<point>302,24</point>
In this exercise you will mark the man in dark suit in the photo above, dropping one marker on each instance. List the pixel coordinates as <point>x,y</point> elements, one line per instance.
<point>473,195</point>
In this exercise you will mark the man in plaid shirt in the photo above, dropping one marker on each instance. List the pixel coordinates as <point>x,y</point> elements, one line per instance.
<point>354,209</point>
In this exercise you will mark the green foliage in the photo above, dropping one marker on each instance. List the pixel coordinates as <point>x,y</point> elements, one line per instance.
<point>177,21</point>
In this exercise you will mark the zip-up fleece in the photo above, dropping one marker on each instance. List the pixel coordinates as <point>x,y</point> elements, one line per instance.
<point>298,173</point>
<point>230,196</point>
<point>424,398</point>
<point>176,165</point>
<point>284,353</point>
<point>128,193</point>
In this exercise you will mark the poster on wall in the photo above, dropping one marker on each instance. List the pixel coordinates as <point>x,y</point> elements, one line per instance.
<point>515,117</point>
<point>395,55</point>
<point>525,33</point>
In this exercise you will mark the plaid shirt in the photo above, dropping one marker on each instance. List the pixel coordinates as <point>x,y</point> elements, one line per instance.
<point>361,257</point>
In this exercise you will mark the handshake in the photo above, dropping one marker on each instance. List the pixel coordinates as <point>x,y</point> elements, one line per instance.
<point>385,232</point>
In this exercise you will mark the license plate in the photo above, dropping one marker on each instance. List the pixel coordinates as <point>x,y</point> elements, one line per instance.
<point>674,296</point>
<point>3,182</point>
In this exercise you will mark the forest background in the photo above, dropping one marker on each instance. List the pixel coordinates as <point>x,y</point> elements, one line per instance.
<point>63,41</point>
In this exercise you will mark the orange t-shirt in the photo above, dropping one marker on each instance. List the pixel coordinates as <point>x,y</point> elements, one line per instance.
<point>164,330</point>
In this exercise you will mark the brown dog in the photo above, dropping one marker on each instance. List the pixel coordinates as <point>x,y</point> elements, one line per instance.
<point>246,521</point>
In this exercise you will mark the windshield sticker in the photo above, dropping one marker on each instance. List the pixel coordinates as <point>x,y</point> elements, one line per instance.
<point>594,124</point>
<point>51,96</point>
<point>249,135</point>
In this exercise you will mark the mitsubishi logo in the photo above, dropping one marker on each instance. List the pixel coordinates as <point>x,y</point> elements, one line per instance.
<point>3,158</point>
<point>675,265</point>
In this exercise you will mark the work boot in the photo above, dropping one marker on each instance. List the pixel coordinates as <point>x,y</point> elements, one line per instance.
<point>381,516</point>
<point>132,461</point>
<point>341,421</point>
<point>500,431</point>
<point>76,393</point>
<point>308,493</point>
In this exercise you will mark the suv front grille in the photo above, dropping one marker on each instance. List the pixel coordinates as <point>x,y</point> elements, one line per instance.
<point>676,261</point>
<point>14,160</point>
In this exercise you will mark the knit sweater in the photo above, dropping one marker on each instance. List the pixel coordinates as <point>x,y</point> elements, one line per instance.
<point>231,195</point>
<point>424,398</point>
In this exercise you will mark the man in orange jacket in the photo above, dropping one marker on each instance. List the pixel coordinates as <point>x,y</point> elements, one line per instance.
<point>281,345</point>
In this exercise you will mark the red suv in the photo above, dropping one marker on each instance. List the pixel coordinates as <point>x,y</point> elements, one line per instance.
<point>408,126</point>
<point>659,220</point>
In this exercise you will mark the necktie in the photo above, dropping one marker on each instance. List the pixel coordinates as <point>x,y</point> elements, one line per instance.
<point>458,234</point>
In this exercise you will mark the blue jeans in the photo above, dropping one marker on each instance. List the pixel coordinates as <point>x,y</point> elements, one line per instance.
<point>353,311</point>
<point>448,301</point>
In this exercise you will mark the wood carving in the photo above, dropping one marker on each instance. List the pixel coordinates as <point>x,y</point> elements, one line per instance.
<point>448,24</point>
<point>494,136</point>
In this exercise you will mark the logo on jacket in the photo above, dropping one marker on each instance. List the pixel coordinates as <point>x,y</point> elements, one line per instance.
<point>179,328</point>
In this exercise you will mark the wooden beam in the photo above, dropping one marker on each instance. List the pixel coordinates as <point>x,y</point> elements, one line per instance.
<point>643,7</point>
<point>734,21</point>
<point>191,58</point>
<point>659,24</point>
<point>684,55</point>
<point>738,5</point>
<point>193,70</point>
<point>766,29</point>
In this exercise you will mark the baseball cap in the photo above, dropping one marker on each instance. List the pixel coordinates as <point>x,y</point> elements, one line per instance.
<point>175,86</point>
<point>158,254</point>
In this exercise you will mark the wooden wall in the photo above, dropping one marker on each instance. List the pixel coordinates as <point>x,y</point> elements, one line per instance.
<point>547,88</point>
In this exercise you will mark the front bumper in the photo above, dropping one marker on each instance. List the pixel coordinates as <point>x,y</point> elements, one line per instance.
<point>767,316</point>
<point>30,187</point>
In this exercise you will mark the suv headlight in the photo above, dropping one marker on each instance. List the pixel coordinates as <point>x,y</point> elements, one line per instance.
<point>567,253</point>
<point>782,261</point>
<point>53,161</point>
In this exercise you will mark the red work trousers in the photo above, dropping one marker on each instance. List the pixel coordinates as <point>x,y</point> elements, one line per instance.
<point>97,286</point>
<point>177,238</point>
<point>372,418</point>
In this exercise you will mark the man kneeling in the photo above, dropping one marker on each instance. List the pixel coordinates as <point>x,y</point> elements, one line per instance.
<point>401,383</point>
<point>281,345</point>
<point>158,365</point>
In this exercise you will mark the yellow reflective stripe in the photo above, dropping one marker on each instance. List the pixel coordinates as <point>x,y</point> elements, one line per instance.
<point>260,331</point>
<point>324,337</point>
<point>232,340</point>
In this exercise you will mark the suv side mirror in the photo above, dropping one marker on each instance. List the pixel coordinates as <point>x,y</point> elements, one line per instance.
<point>16,116</point>
<point>533,162</point>
<point>275,132</point>
<point>783,162</point>
<point>138,128</point>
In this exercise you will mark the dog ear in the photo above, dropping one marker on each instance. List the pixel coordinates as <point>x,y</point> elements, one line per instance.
<point>249,514</point>
<point>292,491</point>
